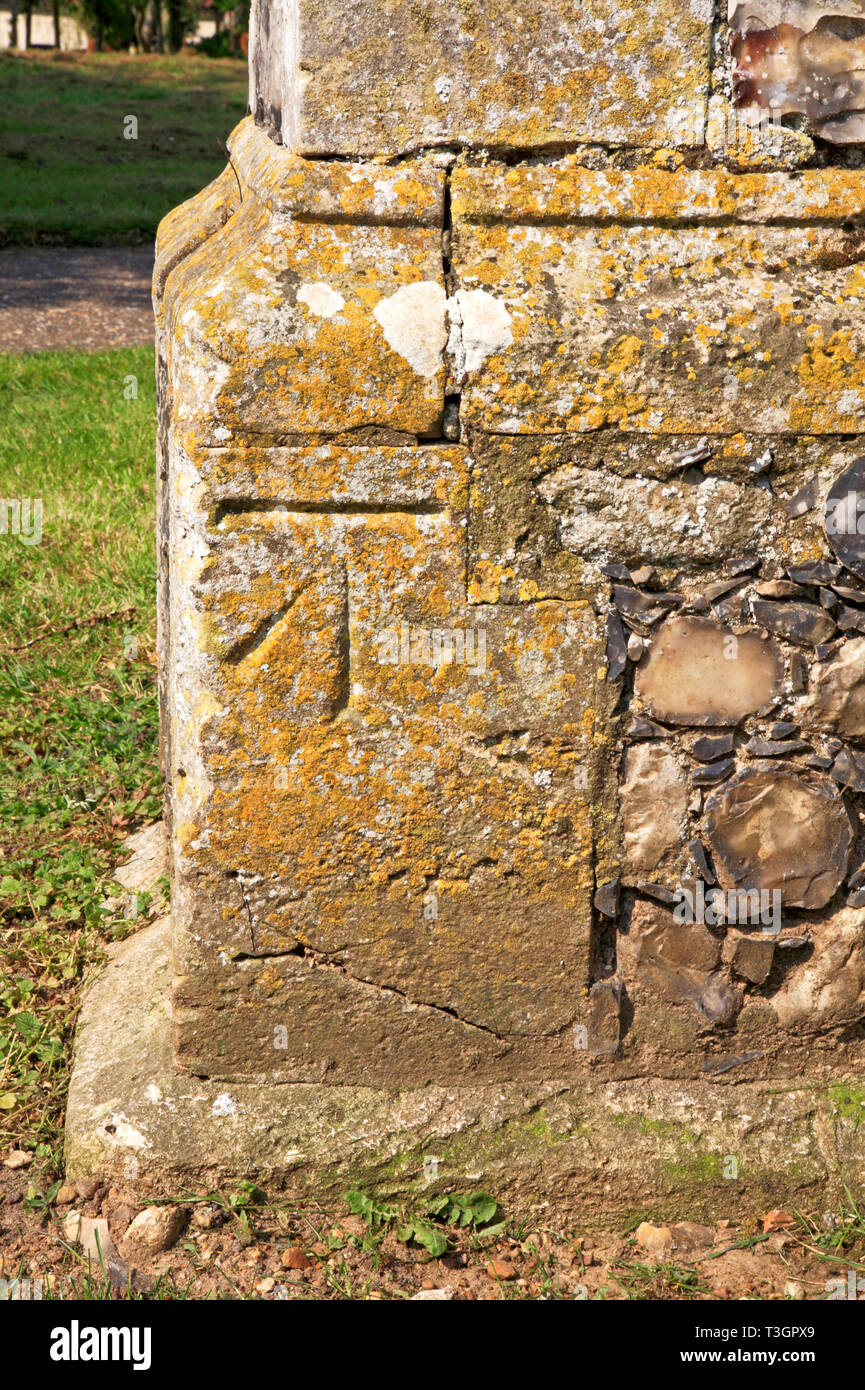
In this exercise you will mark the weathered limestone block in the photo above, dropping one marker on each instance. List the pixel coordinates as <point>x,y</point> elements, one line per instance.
<point>541,506</point>
<point>385,799</point>
<point>351,78</point>
<point>647,325</point>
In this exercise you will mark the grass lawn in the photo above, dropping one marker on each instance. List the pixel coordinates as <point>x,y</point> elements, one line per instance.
<point>78,766</point>
<point>68,175</point>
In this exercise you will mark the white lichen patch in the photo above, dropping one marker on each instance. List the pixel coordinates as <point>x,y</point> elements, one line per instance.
<point>320,299</point>
<point>414,325</point>
<point>480,326</point>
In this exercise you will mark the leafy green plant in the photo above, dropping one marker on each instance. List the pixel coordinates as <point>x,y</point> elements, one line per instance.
<point>424,1224</point>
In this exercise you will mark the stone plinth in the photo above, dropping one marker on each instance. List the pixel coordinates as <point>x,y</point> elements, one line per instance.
<point>511,603</point>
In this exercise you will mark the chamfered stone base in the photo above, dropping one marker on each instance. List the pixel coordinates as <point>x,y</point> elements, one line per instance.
<point>598,1151</point>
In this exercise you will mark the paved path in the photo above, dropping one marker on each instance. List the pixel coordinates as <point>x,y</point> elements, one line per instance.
<point>91,299</point>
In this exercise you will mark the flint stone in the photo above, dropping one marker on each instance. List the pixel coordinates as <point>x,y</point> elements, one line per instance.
<point>698,672</point>
<point>654,801</point>
<point>750,956</point>
<point>828,989</point>
<point>836,701</point>
<point>778,827</point>
<point>803,623</point>
<point>710,746</point>
<point>799,56</point>
<point>679,959</point>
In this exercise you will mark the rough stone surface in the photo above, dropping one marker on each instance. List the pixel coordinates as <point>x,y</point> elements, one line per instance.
<point>155,1229</point>
<point>598,1149</point>
<point>836,701</point>
<point>358,78</point>
<point>828,990</point>
<point>510,455</point>
<point>775,828</point>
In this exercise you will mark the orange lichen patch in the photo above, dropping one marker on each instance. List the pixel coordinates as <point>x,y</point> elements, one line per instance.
<point>664,329</point>
<point>832,377</point>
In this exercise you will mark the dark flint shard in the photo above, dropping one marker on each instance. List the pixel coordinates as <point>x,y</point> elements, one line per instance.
<point>857,879</point>
<point>721,587</point>
<point>856,899</point>
<point>632,604</point>
<point>775,748</point>
<point>645,728</point>
<point>849,769</point>
<point>712,746</point>
<point>802,501</point>
<point>803,623</point>
<point>730,610</point>
<point>826,649</point>
<point>620,572</point>
<point>780,588</point>
<point>819,762</point>
<point>798,672</point>
<point>849,619</point>
<point>845,518</point>
<point>659,893</point>
<point>698,854</point>
<point>814,572</point>
<point>606,898</point>
<point>827,599</point>
<point>793,943</point>
<point>741,564</point>
<point>849,595</point>
<point>783,728</point>
<point>617,654</point>
<point>699,604</point>
<point>714,772</point>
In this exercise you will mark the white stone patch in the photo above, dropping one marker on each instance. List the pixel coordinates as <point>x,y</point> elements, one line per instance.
<point>124,1134</point>
<point>414,325</point>
<point>320,299</point>
<point>481,325</point>
<point>224,1105</point>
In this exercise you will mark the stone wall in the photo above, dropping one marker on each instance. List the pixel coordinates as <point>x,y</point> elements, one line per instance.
<point>513,417</point>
